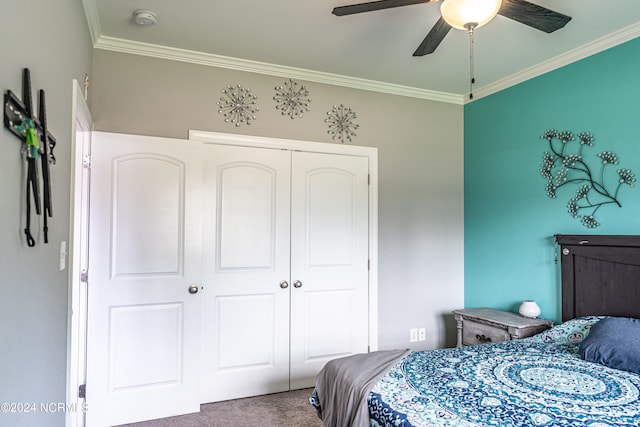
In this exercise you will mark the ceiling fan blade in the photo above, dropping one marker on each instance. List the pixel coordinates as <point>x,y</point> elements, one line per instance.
<point>535,16</point>
<point>433,39</point>
<point>374,5</point>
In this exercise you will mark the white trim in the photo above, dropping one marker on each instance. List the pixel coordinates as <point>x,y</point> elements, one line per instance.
<point>610,40</point>
<point>77,309</point>
<point>93,20</point>
<point>321,147</point>
<point>373,250</point>
<point>193,57</point>
<point>279,143</point>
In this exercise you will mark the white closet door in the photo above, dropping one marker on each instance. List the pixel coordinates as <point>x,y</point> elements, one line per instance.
<point>143,349</point>
<point>246,257</point>
<point>329,257</point>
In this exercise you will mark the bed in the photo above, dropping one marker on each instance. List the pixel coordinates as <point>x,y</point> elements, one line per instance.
<point>582,372</point>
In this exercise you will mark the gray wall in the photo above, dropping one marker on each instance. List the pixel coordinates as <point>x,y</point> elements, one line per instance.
<point>420,148</point>
<point>50,38</point>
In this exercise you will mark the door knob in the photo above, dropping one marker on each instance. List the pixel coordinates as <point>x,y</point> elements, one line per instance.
<point>284,284</point>
<point>193,289</point>
<point>297,284</point>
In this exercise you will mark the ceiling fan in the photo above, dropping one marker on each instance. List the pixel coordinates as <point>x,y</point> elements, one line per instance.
<point>530,14</point>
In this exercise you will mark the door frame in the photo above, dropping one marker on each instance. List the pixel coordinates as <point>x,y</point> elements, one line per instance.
<point>371,153</point>
<point>81,121</point>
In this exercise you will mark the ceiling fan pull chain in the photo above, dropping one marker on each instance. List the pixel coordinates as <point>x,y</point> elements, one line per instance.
<point>472,78</point>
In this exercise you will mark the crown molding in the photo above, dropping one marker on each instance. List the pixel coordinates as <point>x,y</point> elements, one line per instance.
<point>93,20</point>
<point>610,40</point>
<point>194,57</point>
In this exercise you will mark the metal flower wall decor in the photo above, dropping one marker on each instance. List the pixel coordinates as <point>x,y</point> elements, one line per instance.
<point>238,105</point>
<point>341,123</point>
<point>560,168</point>
<point>292,99</point>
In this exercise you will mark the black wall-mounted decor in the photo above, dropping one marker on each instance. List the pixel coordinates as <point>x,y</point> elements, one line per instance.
<point>38,142</point>
<point>562,166</point>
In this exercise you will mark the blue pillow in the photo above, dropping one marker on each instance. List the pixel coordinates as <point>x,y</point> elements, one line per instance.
<point>614,342</point>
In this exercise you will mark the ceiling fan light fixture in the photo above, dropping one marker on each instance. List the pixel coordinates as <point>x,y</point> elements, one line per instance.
<point>462,14</point>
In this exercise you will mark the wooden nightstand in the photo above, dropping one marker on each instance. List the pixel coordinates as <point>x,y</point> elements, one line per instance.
<point>486,325</point>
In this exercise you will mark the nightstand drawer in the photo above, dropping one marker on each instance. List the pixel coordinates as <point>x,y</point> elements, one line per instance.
<point>486,325</point>
<point>476,333</point>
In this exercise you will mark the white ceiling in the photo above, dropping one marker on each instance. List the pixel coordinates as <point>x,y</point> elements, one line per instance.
<point>302,39</point>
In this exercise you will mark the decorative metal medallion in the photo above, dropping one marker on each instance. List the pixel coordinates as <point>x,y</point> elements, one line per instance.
<point>341,125</point>
<point>560,168</point>
<point>292,99</point>
<point>238,105</point>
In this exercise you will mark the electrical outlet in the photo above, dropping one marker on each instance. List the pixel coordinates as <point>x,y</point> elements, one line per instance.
<point>422,334</point>
<point>413,335</point>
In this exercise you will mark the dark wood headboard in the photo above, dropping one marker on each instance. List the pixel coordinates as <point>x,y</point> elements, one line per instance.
<point>600,275</point>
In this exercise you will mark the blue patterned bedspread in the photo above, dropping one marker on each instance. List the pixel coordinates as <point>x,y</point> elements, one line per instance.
<point>539,381</point>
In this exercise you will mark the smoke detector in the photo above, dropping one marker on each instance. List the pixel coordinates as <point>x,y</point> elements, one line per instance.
<point>145,18</point>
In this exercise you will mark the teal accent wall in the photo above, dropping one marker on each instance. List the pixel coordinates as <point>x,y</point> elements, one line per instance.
<point>510,252</point>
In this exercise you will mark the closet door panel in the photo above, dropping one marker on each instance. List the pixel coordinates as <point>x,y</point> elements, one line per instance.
<point>251,316</point>
<point>245,258</point>
<point>246,217</point>
<point>329,334</point>
<point>329,217</point>
<point>329,256</point>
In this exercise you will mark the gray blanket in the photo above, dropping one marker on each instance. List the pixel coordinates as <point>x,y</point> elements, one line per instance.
<point>344,384</point>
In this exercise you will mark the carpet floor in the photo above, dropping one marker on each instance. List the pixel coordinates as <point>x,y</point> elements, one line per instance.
<point>288,409</point>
